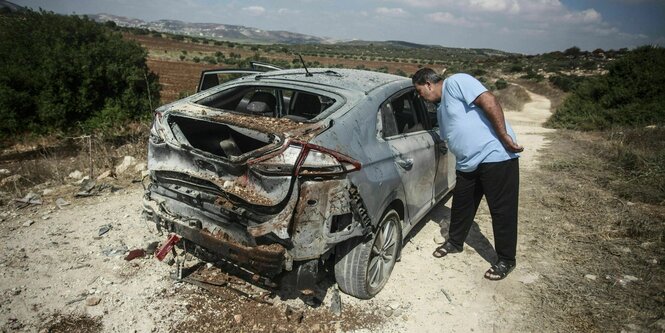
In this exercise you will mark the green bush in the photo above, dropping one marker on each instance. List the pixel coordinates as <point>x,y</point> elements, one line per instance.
<point>631,94</point>
<point>566,82</point>
<point>69,74</point>
<point>501,84</point>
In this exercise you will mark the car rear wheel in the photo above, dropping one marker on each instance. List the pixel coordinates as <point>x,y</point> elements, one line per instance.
<point>363,266</point>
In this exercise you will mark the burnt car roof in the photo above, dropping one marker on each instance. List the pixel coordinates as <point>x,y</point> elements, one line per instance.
<point>349,79</point>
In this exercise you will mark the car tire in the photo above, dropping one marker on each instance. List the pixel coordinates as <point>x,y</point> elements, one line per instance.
<point>363,266</point>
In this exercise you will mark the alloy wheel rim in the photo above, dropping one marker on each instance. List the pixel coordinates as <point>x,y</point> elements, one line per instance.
<point>384,253</point>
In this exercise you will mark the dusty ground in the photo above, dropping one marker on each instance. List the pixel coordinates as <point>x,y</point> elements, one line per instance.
<point>58,274</point>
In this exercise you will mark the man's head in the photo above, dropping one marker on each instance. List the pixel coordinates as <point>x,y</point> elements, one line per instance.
<point>428,84</point>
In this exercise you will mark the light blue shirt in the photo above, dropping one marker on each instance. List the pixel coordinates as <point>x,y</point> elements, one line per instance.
<point>464,125</point>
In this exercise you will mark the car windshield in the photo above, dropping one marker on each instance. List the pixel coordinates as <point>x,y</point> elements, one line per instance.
<point>268,101</point>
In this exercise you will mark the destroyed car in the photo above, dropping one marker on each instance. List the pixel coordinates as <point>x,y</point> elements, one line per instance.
<point>292,170</point>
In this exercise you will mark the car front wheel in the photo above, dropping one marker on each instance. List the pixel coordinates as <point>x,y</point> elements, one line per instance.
<point>363,266</point>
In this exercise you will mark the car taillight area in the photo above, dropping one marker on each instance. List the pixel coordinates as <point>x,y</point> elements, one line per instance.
<point>305,159</point>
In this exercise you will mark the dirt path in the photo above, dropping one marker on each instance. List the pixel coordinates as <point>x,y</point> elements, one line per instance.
<point>57,269</point>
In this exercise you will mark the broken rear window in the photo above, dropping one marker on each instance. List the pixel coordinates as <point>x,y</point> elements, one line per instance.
<point>270,102</point>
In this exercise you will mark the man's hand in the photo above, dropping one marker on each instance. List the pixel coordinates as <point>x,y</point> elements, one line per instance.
<point>511,145</point>
<point>488,103</point>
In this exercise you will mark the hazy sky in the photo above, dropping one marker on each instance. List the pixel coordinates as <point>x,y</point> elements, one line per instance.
<point>526,26</point>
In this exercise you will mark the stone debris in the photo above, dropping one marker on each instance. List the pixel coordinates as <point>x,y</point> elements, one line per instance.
<point>30,199</point>
<point>126,163</point>
<point>237,318</point>
<point>140,167</point>
<point>438,239</point>
<point>28,223</point>
<point>104,229</point>
<point>76,175</point>
<point>4,172</point>
<point>10,179</point>
<point>92,301</point>
<point>60,202</point>
<point>590,277</point>
<point>336,302</point>
<point>622,280</point>
<point>106,174</point>
<point>114,251</point>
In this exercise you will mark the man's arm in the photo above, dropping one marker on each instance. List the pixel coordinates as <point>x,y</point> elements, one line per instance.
<point>494,113</point>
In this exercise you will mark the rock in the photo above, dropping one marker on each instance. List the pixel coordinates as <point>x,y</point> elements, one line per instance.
<point>76,174</point>
<point>438,239</point>
<point>47,191</point>
<point>60,202</point>
<point>126,163</point>
<point>28,223</point>
<point>151,247</point>
<point>10,179</point>
<point>336,302</point>
<point>394,305</point>
<point>653,261</point>
<point>4,172</point>
<point>140,167</point>
<point>105,174</point>
<point>104,229</point>
<point>237,318</point>
<point>388,312</point>
<point>647,245</point>
<point>590,277</point>
<point>650,126</point>
<point>630,278</point>
<point>92,301</point>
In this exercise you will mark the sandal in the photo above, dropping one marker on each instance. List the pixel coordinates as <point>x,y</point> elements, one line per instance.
<point>445,249</point>
<point>499,270</point>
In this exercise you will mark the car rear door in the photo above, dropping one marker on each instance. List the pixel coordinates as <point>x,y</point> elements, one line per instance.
<point>413,148</point>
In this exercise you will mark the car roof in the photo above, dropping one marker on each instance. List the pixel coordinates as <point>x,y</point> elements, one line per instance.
<point>349,79</point>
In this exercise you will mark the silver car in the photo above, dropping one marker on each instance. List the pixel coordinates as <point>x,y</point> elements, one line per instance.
<point>298,170</point>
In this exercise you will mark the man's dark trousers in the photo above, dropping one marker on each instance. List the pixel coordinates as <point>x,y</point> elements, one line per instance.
<point>499,182</point>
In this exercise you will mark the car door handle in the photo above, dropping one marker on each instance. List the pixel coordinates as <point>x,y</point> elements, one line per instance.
<point>406,164</point>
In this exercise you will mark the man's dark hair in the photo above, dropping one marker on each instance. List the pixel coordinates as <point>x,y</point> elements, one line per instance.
<point>425,75</point>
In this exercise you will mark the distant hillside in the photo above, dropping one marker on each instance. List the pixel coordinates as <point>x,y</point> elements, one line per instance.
<point>8,6</point>
<point>242,34</point>
<point>236,33</point>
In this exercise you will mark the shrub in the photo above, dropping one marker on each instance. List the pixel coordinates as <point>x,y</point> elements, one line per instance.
<point>630,94</point>
<point>67,73</point>
<point>501,84</point>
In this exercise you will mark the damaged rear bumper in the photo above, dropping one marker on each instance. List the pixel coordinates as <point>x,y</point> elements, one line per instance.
<point>320,214</point>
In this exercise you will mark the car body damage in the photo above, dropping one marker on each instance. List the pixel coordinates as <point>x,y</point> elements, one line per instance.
<point>279,171</point>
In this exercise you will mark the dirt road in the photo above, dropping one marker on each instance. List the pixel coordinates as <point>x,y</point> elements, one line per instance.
<point>64,268</point>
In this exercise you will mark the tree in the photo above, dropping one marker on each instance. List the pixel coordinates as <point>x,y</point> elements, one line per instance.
<point>68,73</point>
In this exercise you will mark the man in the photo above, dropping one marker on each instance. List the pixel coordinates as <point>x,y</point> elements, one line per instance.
<point>472,122</point>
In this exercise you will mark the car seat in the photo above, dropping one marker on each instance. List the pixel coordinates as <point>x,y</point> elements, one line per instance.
<point>262,103</point>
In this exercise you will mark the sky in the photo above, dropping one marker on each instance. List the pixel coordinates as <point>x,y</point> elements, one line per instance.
<point>522,26</point>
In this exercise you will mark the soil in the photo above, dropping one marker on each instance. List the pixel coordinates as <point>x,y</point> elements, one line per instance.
<point>64,267</point>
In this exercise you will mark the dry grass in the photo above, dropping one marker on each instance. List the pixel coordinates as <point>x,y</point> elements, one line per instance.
<point>512,98</point>
<point>584,228</point>
<point>40,163</point>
